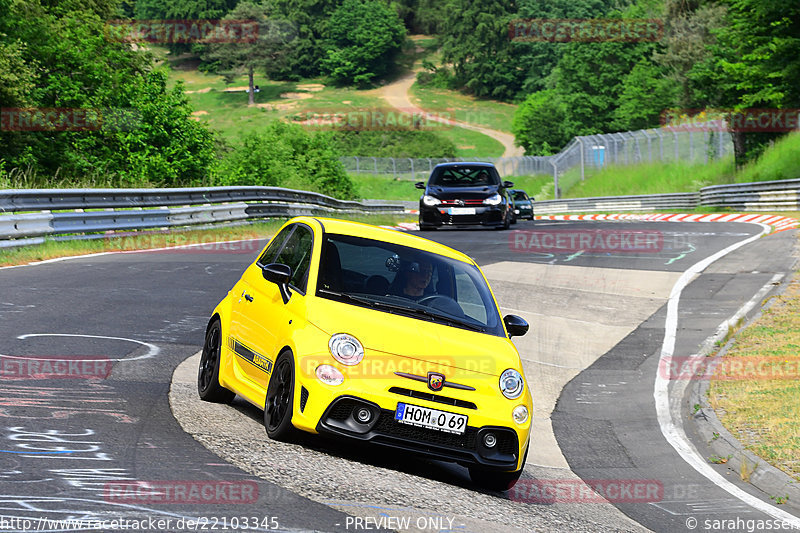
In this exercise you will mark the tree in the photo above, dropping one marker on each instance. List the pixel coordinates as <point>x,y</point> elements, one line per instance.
<point>539,124</point>
<point>364,37</point>
<point>538,59</point>
<point>476,42</point>
<point>310,18</point>
<point>754,63</point>
<point>182,10</point>
<point>267,47</point>
<point>145,134</point>
<point>688,37</point>
<point>646,94</point>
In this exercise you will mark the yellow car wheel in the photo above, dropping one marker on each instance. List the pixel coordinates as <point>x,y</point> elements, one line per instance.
<point>280,398</point>
<point>208,386</point>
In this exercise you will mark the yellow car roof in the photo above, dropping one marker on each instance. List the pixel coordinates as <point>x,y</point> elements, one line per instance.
<point>358,229</point>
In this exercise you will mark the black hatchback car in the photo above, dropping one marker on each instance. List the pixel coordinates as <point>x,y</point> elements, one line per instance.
<point>465,194</point>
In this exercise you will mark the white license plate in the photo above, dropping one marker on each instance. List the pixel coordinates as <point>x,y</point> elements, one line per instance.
<point>461,211</point>
<point>415,415</point>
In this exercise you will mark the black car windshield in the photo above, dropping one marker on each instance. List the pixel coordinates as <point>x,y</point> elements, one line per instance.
<point>519,196</point>
<point>463,177</point>
<point>406,281</point>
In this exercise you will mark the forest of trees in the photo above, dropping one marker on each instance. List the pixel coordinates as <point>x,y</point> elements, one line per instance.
<point>56,54</point>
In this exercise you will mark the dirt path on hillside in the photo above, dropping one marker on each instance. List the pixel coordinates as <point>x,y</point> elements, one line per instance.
<point>396,95</point>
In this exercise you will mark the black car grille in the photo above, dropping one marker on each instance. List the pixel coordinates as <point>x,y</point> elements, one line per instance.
<point>462,202</point>
<point>433,398</point>
<point>342,409</point>
<point>303,398</point>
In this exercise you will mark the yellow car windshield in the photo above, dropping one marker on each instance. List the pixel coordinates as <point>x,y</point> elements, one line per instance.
<point>403,280</point>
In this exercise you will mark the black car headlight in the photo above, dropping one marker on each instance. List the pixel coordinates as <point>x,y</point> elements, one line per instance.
<point>494,199</point>
<point>430,201</point>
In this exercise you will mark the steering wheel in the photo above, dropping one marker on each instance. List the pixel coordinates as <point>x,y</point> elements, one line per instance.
<point>442,303</point>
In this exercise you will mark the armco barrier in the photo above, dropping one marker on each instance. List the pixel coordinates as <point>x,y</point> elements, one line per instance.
<point>652,202</point>
<point>782,195</point>
<point>772,195</point>
<point>26,216</point>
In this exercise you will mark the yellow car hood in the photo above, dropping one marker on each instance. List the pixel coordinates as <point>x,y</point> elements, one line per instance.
<point>396,335</point>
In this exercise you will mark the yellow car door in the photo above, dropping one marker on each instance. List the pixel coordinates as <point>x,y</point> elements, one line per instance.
<point>264,319</point>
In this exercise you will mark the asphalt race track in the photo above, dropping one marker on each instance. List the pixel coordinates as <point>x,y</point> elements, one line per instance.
<point>77,448</point>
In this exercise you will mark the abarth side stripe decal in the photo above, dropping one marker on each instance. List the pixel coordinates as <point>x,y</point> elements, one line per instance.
<point>252,357</point>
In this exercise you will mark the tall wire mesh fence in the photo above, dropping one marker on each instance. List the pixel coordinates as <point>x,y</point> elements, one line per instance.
<point>585,155</point>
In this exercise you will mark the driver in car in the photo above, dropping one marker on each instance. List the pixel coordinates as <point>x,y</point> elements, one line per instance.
<point>415,279</point>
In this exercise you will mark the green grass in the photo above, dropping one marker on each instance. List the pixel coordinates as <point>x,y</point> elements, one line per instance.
<point>538,187</point>
<point>458,106</point>
<point>386,187</point>
<point>779,162</point>
<point>762,412</point>
<point>472,143</point>
<point>649,178</point>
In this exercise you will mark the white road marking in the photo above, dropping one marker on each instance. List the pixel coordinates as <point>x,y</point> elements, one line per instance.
<point>152,349</point>
<point>670,425</point>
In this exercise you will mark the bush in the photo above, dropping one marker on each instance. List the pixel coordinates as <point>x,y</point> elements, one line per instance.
<point>285,155</point>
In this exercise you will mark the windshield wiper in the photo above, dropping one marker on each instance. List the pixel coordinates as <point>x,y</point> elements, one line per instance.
<point>416,311</point>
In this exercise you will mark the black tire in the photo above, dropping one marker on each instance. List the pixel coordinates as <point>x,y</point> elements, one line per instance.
<point>531,217</point>
<point>208,386</point>
<point>494,480</point>
<point>280,399</point>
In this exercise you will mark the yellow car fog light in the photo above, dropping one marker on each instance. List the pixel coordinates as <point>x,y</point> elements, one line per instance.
<point>520,414</point>
<point>329,375</point>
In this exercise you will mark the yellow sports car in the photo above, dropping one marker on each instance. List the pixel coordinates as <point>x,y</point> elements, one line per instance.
<point>376,335</point>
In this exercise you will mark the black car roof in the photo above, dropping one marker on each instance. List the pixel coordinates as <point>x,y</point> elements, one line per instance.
<point>465,164</point>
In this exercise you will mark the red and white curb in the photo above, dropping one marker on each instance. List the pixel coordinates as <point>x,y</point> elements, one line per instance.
<point>775,222</point>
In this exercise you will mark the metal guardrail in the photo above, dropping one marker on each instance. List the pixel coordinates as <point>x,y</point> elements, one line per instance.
<point>619,203</point>
<point>782,195</point>
<point>26,216</point>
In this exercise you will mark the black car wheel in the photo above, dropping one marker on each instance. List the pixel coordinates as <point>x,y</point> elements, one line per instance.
<point>280,399</point>
<point>208,386</point>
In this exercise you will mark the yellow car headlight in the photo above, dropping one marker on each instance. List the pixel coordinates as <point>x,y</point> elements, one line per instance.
<point>346,349</point>
<point>511,384</point>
